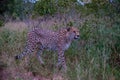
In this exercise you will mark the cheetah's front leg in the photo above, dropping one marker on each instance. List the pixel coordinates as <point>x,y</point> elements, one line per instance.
<point>39,56</point>
<point>61,60</point>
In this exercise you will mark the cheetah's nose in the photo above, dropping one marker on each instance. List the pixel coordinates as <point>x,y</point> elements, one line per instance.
<point>76,37</point>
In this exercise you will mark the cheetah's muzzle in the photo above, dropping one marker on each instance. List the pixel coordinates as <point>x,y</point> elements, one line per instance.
<point>76,37</point>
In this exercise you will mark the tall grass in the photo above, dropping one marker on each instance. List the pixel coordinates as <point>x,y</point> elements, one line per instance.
<point>87,59</point>
<point>91,59</point>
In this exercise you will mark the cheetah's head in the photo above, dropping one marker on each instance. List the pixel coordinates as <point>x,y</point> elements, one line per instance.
<point>73,32</point>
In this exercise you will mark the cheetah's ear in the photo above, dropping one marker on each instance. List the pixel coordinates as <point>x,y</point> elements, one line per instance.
<point>68,29</point>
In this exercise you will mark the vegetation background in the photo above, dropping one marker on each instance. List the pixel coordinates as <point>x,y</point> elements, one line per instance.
<point>95,56</point>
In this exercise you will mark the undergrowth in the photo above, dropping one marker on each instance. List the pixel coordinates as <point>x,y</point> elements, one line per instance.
<point>92,57</point>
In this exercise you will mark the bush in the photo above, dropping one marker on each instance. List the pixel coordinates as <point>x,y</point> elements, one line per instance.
<point>44,7</point>
<point>1,23</point>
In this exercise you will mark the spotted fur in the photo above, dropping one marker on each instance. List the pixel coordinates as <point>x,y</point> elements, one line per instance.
<point>42,39</point>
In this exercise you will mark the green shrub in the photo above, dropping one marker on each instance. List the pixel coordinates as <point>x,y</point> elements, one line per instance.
<point>1,23</point>
<point>44,7</point>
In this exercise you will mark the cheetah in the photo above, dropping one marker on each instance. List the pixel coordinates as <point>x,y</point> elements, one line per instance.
<point>42,39</point>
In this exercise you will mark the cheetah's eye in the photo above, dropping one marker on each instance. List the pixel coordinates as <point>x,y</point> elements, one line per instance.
<point>74,31</point>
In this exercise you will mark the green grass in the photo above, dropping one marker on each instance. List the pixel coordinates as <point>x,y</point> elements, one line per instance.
<point>87,59</point>
<point>92,54</point>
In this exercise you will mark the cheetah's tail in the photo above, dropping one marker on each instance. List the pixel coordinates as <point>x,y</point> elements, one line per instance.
<point>19,56</point>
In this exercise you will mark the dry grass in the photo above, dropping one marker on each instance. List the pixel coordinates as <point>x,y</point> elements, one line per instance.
<point>16,26</point>
<point>87,59</point>
<point>25,69</point>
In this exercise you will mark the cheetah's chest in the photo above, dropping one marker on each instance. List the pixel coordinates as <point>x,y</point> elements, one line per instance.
<point>67,45</point>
